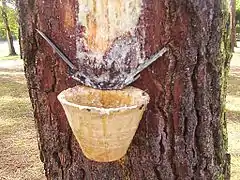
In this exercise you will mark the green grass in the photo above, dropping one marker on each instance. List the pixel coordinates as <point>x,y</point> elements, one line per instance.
<point>9,57</point>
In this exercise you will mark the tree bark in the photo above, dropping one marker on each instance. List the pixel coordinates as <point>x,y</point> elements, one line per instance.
<point>12,51</point>
<point>19,30</point>
<point>183,132</point>
<point>233,24</point>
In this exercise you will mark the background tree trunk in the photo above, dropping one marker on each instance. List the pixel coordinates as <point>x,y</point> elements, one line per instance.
<point>183,133</point>
<point>12,51</point>
<point>19,31</point>
<point>233,23</point>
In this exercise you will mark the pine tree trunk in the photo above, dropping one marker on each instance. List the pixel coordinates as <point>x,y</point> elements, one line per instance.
<point>183,133</point>
<point>233,24</point>
<point>19,31</point>
<point>12,51</point>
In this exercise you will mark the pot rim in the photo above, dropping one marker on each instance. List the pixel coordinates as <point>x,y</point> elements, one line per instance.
<point>144,101</point>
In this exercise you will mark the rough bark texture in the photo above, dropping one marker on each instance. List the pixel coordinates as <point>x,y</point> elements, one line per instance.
<point>183,132</point>
<point>233,23</point>
<point>19,32</point>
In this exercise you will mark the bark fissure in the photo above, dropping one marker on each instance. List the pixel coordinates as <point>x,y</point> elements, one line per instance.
<point>197,144</point>
<point>181,134</point>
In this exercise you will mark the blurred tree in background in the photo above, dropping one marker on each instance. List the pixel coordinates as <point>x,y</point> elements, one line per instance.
<point>13,24</point>
<point>238,19</point>
<point>238,12</point>
<point>233,23</point>
<point>8,19</point>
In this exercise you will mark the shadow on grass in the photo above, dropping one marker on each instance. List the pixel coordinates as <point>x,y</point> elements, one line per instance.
<point>14,100</point>
<point>233,127</point>
<point>13,86</point>
<point>19,155</point>
<point>15,108</point>
<point>234,83</point>
<point>233,116</point>
<point>18,69</point>
<point>235,71</point>
<point>16,57</point>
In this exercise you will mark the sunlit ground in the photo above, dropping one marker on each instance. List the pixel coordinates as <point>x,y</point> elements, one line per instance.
<point>4,51</point>
<point>233,114</point>
<point>19,154</point>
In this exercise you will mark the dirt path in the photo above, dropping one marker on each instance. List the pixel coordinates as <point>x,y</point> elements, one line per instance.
<point>16,65</point>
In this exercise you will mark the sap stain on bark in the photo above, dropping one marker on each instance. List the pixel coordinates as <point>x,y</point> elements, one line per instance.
<point>157,151</point>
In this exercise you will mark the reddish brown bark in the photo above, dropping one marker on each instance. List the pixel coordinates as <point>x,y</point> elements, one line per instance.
<point>182,135</point>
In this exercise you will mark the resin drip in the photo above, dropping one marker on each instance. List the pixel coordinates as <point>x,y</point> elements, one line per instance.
<point>106,20</point>
<point>109,45</point>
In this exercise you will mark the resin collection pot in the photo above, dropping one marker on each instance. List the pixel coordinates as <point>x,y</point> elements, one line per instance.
<point>104,121</point>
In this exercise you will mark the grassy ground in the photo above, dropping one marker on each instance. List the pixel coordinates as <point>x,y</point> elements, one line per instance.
<point>233,115</point>
<point>9,57</point>
<point>19,155</point>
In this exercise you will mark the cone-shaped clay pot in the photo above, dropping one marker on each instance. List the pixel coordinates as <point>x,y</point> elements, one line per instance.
<point>104,121</point>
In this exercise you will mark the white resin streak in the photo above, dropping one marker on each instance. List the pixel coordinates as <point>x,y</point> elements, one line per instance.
<point>106,20</point>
